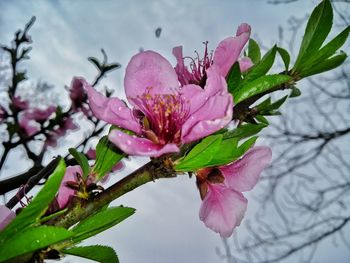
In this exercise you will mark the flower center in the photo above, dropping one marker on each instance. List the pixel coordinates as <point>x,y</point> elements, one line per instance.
<point>198,66</point>
<point>164,115</point>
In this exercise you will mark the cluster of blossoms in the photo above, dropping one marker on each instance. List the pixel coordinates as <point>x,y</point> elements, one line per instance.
<point>171,107</point>
<point>31,120</point>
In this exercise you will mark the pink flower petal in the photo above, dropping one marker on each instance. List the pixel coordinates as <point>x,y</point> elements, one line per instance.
<point>243,28</point>
<point>245,63</point>
<point>77,93</point>
<point>6,216</point>
<point>211,110</point>
<point>91,154</point>
<point>214,115</point>
<point>182,72</point>
<point>65,125</point>
<point>140,146</point>
<point>228,50</point>
<point>38,114</point>
<point>222,209</point>
<point>194,95</point>
<point>243,174</point>
<point>19,103</point>
<point>64,192</point>
<point>149,70</point>
<point>111,110</point>
<point>119,166</point>
<point>197,96</point>
<point>30,127</point>
<point>177,52</point>
<point>3,113</point>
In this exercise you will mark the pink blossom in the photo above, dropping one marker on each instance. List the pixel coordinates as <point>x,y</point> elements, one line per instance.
<point>165,115</point>
<point>3,113</point>
<point>224,205</point>
<point>74,177</point>
<point>19,103</point>
<point>91,154</point>
<point>28,126</point>
<point>66,124</point>
<point>30,118</point>
<point>77,95</point>
<point>38,114</point>
<point>225,55</point>
<point>65,193</point>
<point>6,216</point>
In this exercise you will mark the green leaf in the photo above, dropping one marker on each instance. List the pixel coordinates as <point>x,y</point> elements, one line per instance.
<point>285,57</point>
<point>263,105</point>
<point>327,51</point>
<point>263,66</point>
<point>295,92</point>
<point>38,206</point>
<point>229,151</point>
<point>317,29</point>
<point>245,131</point>
<point>260,85</point>
<point>32,239</point>
<point>234,78</point>
<point>262,119</point>
<point>102,254</point>
<point>107,155</point>
<point>200,155</point>
<point>254,51</point>
<point>278,103</point>
<point>226,153</point>
<point>244,147</point>
<point>326,65</point>
<point>272,113</point>
<point>101,221</point>
<point>272,106</point>
<point>81,160</point>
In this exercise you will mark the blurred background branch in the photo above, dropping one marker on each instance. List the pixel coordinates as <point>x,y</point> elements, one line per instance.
<point>305,194</point>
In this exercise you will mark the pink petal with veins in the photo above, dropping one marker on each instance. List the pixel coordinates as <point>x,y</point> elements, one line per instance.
<point>133,145</point>
<point>111,110</point>
<point>242,175</point>
<point>65,192</point>
<point>149,70</point>
<point>228,50</point>
<point>245,63</point>
<point>222,209</point>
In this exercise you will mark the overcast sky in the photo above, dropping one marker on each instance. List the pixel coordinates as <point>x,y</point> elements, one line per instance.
<point>166,227</point>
